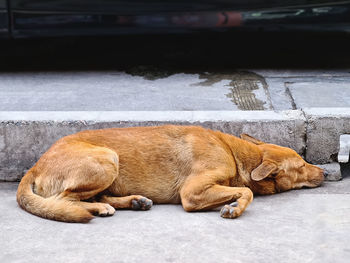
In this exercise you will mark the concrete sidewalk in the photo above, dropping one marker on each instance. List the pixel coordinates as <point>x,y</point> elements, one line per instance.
<point>305,110</point>
<point>149,89</point>
<point>308,225</point>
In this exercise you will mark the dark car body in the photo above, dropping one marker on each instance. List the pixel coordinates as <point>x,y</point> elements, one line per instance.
<point>38,18</point>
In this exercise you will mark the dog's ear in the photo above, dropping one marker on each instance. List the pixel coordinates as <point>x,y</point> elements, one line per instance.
<point>249,138</point>
<point>263,170</point>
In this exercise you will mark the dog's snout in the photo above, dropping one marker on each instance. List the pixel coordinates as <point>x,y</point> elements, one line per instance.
<point>316,176</point>
<point>319,180</point>
<point>322,172</point>
<point>322,177</point>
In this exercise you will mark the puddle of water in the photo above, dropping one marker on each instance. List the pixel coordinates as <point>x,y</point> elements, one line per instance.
<point>247,90</point>
<point>242,94</point>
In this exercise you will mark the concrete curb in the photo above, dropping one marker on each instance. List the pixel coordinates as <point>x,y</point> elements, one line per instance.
<point>25,136</point>
<point>147,116</point>
<point>324,127</point>
<point>312,132</point>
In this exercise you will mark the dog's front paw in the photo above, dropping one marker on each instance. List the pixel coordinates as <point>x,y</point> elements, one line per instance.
<point>230,211</point>
<point>142,203</point>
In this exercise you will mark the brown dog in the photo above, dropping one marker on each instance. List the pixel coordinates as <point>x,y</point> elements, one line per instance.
<point>119,168</point>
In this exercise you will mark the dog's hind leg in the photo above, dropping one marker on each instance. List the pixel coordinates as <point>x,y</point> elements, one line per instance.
<point>67,174</point>
<point>95,208</point>
<point>100,209</point>
<point>201,192</point>
<point>135,202</point>
<point>83,172</point>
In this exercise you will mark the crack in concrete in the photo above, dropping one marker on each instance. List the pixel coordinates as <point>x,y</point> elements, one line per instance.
<point>305,133</point>
<point>289,95</point>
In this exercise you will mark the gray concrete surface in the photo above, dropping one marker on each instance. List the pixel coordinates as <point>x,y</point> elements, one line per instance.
<point>332,171</point>
<point>308,225</point>
<point>324,127</point>
<point>25,136</point>
<point>321,93</point>
<point>37,108</point>
<point>149,89</point>
<point>296,89</point>
<point>119,91</point>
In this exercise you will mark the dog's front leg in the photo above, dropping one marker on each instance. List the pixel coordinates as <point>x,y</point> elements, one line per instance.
<point>198,193</point>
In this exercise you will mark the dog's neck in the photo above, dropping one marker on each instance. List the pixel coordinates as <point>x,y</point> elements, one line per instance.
<point>247,156</point>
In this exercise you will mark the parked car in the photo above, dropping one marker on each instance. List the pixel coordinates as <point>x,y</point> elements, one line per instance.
<point>38,18</point>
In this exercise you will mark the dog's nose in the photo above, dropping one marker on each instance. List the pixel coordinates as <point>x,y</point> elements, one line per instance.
<point>325,173</point>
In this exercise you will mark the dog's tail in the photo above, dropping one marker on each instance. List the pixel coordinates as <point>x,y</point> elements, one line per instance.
<point>50,208</point>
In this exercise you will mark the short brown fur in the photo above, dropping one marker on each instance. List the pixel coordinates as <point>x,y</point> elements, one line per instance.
<point>96,171</point>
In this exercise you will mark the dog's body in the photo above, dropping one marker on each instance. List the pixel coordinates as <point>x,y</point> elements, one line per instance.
<point>119,168</point>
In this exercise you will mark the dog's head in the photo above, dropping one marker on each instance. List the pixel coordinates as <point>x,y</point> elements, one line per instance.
<point>282,169</point>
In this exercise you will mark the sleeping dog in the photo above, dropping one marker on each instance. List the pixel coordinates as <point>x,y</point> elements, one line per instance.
<point>95,172</point>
